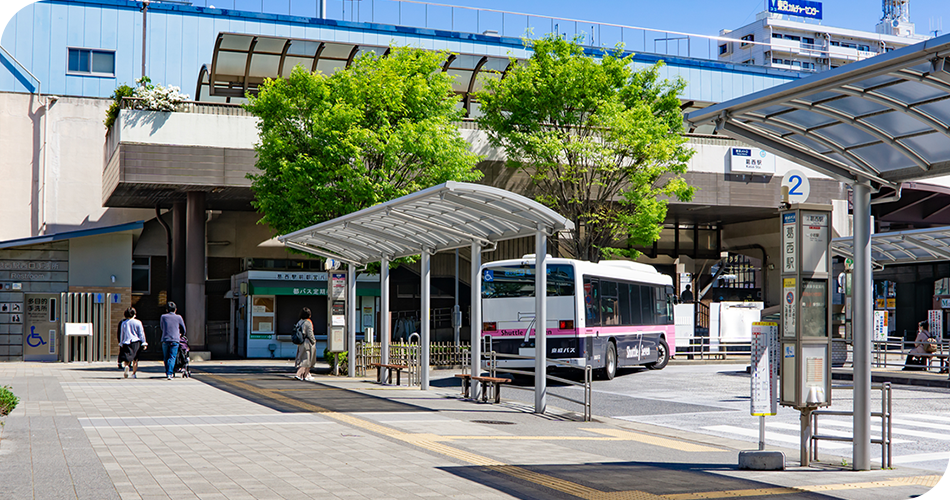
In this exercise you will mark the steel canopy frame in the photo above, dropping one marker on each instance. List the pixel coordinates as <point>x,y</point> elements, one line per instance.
<point>444,217</point>
<point>872,124</point>
<point>914,246</point>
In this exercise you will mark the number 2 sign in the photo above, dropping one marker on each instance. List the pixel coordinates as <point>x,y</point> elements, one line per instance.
<point>798,186</point>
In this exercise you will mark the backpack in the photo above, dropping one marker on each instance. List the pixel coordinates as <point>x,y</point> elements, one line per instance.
<point>297,337</point>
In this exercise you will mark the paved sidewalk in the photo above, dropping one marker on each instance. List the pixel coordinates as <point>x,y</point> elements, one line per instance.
<point>247,430</point>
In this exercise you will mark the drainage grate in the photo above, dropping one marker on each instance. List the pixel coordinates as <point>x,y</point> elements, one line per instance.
<point>492,422</point>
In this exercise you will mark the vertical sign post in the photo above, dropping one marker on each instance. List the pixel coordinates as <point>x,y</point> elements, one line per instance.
<point>765,357</point>
<point>336,330</point>
<point>806,313</point>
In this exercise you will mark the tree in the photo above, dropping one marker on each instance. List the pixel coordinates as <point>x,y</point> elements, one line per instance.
<point>601,141</point>
<point>331,145</point>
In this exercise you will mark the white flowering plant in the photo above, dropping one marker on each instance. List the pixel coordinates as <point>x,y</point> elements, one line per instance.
<point>157,97</point>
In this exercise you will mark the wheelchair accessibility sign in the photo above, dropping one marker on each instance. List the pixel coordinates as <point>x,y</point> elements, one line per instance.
<point>41,327</point>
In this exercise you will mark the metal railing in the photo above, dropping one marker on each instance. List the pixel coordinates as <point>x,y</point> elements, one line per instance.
<point>883,352</point>
<point>441,354</point>
<point>493,369</point>
<point>886,416</point>
<point>711,348</point>
<point>493,22</point>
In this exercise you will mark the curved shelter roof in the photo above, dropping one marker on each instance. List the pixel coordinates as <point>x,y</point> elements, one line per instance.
<point>916,246</point>
<point>883,120</point>
<point>447,216</point>
<point>242,62</point>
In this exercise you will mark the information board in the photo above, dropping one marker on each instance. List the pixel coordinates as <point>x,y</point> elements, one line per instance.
<point>879,329</point>
<point>935,322</point>
<point>789,307</point>
<point>765,360</point>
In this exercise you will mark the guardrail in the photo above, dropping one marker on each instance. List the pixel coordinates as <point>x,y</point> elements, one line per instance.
<point>494,369</point>
<point>886,416</point>
<point>409,353</point>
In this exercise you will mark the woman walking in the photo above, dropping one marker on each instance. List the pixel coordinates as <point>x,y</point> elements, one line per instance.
<point>131,338</point>
<point>305,352</point>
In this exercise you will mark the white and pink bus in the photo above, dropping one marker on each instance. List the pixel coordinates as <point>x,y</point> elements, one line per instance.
<point>607,315</point>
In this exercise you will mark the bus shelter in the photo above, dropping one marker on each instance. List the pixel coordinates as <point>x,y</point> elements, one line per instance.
<point>444,217</point>
<point>872,124</point>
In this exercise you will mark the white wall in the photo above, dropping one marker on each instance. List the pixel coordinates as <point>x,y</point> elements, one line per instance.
<point>73,174</point>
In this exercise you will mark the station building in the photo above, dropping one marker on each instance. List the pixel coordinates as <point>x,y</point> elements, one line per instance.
<point>157,207</point>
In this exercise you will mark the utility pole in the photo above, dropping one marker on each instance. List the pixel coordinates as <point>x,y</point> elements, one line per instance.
<point>144,32</point>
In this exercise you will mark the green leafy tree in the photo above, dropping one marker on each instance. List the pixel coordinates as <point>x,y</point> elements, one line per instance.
<point>601,141</point>
<point>331,145</point>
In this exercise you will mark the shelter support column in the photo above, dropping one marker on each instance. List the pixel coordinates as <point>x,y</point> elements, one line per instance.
<point>476,315</point>
<point>540,320</point>
<point>861,297</point>
<point>384,315</point>
<point>176,290</point>
<point>351,321</point>
<point>195,270</point>
<point>424,321</point>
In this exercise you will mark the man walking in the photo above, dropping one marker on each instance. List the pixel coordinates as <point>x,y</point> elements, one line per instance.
<point>172,328</point>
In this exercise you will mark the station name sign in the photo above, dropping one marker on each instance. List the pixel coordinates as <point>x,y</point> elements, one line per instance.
<point>751,160</point>
<point>800,8</point>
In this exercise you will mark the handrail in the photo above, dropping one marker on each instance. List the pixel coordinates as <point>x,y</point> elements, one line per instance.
<point>586,384</point>
<point>886,414</point>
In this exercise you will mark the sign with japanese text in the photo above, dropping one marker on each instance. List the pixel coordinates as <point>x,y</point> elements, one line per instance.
<point>798,8</point>
<point>765,360</point>
<point>789,244</point>
<point>752,161</point>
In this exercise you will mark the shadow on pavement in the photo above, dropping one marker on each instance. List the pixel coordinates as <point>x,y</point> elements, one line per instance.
<point>619,480</point>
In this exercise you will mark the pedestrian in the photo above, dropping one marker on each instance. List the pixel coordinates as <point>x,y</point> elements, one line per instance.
<point>131,339</point>
<point>687,296</point>
<point>916,358</point>
<point>172,328</point>
<point>305,351</point>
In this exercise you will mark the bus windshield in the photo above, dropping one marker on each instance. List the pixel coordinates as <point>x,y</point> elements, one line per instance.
<point>518,281</point>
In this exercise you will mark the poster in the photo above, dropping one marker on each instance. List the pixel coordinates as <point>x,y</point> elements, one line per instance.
<point>789,307</point>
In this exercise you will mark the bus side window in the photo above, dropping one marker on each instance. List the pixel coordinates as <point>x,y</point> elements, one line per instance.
<point>647,304</point>
<point>624,294</point>
<point>636,315</point>
<point>591,302</point>
<point>664,302</point>
<point>609,315</point>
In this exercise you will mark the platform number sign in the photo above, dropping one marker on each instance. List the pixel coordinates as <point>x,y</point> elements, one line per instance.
<point>798,186</point>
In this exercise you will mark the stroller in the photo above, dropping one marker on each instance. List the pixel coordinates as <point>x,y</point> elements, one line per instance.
<point>182,362</point>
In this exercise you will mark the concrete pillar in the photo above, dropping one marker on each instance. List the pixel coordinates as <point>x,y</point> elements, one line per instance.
<point>384,327</point>
<point>424,320</point>
<point>176,291</point>
<point>861,322</point>
<point>351,320</point>
<point>476,315</point>
<point>194,307</point>
<point>540,318</point>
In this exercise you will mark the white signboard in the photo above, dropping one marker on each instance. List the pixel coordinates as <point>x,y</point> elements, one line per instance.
<point>79,329</point>
<point>765,359</point>
<point>945,303</point>
<point>879,330</point>
<point>814,241</point>
<point>789,306</point>
<point>789,243</point>
<point>338,286</point>
<point>798,186</point>
<point>935,320</point>
<point>752,161</point>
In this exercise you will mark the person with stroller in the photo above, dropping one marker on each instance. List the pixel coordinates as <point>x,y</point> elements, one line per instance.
<point>305,351</point>
<point>173,326</point>
<point>131,339</point>
<point>183,362</point>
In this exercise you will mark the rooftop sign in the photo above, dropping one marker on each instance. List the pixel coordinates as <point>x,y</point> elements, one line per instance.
<point>800,8</point>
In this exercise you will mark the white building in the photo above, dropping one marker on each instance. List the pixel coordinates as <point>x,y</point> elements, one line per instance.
<point>798,43</point>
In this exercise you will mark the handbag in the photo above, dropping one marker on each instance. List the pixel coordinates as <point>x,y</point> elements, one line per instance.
<point>930,345</point>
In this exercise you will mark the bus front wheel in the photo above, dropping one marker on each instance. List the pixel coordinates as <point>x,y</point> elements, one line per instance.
<point>663,356</point>
<point>609,371</point>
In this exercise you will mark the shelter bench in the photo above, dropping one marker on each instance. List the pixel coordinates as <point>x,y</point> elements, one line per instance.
<point>466,381</point>
<point>390,369</point>
<point>495,383</point>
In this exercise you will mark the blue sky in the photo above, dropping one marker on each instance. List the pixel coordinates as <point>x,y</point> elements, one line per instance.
<point>707,17</point>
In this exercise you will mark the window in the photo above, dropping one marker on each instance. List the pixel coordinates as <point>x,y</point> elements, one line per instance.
<point>141,275</point>
<point>808,65</point>
<point>776,35</point>
<point>810,41</point>
<point>796,64</point>
<point>609,303</point>
<point>777,61</point>
<point>794,38</point>
<point>865,48</point>
<point>849,45</point>
<point>749,61</point>
<point>723,48</point>
<point>518,281</point>
<point>91,62</point>
<point>835,43</point>
<point>748,38</point>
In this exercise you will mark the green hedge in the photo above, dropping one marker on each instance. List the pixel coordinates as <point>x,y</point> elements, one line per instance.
<point>340,358</point>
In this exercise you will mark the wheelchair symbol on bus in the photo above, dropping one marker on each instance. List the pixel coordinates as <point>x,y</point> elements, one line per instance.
<point>33,335</point>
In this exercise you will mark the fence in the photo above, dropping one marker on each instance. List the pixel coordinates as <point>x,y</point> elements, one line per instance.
<point>886,416</point>
<point>83,308</point>
<point>494,370</point>
<point>409,354</point>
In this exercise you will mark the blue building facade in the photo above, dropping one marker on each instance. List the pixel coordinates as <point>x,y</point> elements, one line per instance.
<point>180,39</point>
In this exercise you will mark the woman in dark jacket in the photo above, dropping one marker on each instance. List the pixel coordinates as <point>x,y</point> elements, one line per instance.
<point>305,351</point>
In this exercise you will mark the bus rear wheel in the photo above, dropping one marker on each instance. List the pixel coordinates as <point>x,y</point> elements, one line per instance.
<point>609,371</point>
<point>663,356</point>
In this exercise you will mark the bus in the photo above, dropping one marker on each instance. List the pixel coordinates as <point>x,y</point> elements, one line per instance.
<point>605,315</point>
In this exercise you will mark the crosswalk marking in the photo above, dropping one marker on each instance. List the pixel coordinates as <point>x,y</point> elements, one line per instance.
<point>769,436</point>
<point>921,423</point>
<point>920,457</point>
<point>827,432</point>
<point>894,430</point>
